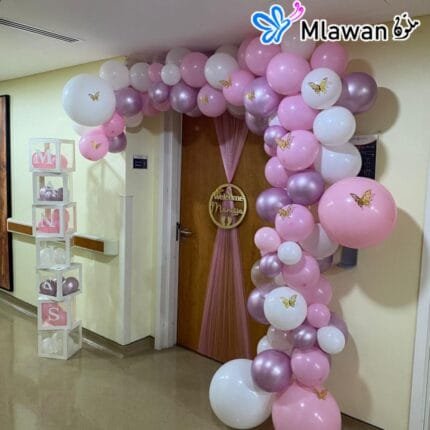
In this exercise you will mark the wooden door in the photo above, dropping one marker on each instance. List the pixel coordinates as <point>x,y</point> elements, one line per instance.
<point>5,197</point>
<point>202,173</point>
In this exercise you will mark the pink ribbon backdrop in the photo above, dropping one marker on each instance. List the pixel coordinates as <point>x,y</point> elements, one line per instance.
<point>224,332</point>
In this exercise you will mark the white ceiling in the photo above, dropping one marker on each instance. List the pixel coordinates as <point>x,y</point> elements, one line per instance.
<point>110,28</point>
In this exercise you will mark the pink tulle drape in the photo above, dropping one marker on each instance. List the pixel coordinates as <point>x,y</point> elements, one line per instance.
<point>224,332</point>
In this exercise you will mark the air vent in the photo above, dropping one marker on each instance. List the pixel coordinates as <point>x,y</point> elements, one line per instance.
<point>41,32</point>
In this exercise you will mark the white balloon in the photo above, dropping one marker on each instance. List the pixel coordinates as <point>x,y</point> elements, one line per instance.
<point>45,257</point>
<point>279,340</point>
<point>228,49</point>
<point>236,111</point>
<point>291,43</point>
<point>59,256</point>
<point>170,74</point>
<point>235,399</point>
<point>81,129</point>
<point>289,253</point>
<point>218,69</point>
<point>175,55</point>
<point>139,77</point>
<point>263,345</point>
<point>339,162</point>
<point>331,340</point>
<point>334,126</point>
<point>88,100</point>
<point>116,74</point>
<point>134,121</point>
<point>318,244</point>
<point>285,308</point>
<point>321,88</point>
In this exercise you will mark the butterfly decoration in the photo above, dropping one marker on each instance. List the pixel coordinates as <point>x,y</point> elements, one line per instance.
<point>250,96</point>
<point>289,303</point>
<point>95,145</point>
<point>365,200</point>
<point>322,395</point>
<point>285,143</point>
<point>204,100</point>
<point>94,97</point>
<point>321,87</point>
<point>275,24</point>
<point>226,84</point>
<point>286,213</point>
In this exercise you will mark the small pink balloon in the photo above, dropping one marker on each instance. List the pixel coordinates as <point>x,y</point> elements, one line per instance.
<point>267,240</point>
<point>193,69</point>
<point>285,73</point>
<point>331,55</point>
<point>241,53</point>
<point>357,212</point>
<point>294,223</point>
<point>234,90</point>
<point>322,292</point>
<point>270,150</point>
<point>298,150</point>
<point>94,145</point>
<point>302,275</point>
<point>258,56</point>
<point>162,107</point>
<point>318,315</point>
<point>275,173</point>
<point>295,114</point>
<point>115,126</point>
<point>154,72</point>
<point>303,408</point>
<point>310,367</point>
<point>211,102</point>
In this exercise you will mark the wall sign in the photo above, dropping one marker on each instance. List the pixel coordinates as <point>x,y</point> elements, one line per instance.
<point>228,206</point>
<point>140,162</point>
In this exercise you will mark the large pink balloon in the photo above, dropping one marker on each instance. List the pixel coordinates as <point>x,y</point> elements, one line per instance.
<point>302,275</point>
<point>275,173</point>
<point>295,114</point>
<point>285,73</point>
<point>211,102</point>
<point>294,223</point>
<point>193,69</point>
<point>235,89</point>
<point>301,408</point>
<point>357,212</point>
<point>94,145</point>
<point>331,55</point>
<point>241,53</point>
<point>310,367</point>
<point>258,56</point>
<point>267,240</point>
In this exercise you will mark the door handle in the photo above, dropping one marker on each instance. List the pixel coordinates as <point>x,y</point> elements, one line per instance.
<point>184,232</point>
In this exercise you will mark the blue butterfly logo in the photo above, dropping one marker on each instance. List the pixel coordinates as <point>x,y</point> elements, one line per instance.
<point>275,24</point>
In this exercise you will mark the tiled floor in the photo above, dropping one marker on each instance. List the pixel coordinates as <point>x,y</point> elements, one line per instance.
<point>93,391</point>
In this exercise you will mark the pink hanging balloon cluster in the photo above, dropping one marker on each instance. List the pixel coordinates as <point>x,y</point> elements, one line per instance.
<point>298,97</point>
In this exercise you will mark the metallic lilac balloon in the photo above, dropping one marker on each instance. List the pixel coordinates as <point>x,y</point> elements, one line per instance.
<point>258,278</point>
<point>271,371</point>
<point>183,98</point>
<point>48,287</point>
<point>270,201</point>
<point>272,134</point>
<point>359,92</point>
<point>305,188</point>
<point>128,102</point>
<point>304,336</point>
<point>256,124</point>
<point>325,263</point>
<point>255,303</point>
<point>340,324</point>
<point>118,143</point>
<point>259,99</point>
<point>159,92</point>
<point>270,265</point>
<point>70,285</point>
<point>195,113</point>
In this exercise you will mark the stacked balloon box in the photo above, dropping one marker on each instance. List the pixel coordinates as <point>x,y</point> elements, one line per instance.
<point>59,280</point>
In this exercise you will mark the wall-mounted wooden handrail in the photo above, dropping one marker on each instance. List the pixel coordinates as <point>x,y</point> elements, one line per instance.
<point>106,247</point>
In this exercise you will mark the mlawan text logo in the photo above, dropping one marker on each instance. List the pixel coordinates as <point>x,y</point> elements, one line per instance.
<point>276,23</point>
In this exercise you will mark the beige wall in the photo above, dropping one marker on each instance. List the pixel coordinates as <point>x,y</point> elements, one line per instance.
<point>372,379</point>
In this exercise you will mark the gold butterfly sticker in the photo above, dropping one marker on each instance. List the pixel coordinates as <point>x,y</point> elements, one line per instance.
<point>95,145</point>
<point>322,395</point>
<point>321,87</point>
<point>285,143</point>
<point>289,303</point>
<point>286,213</point>
<point>365,200</point>
<point>204,100</point>
<point>94,97</point>
<point>226,84</point>
<point>251,96</point>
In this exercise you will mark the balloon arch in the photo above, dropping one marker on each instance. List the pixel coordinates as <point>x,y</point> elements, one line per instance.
<point>299,98</point>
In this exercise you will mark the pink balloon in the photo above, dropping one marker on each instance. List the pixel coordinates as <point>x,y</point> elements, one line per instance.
<point>193,69</point>
<point>275,173</point>
<point>267,240</point>
<point>357,212</point>
<point>303,275</point>
<point>235,90</point>
<point>302,408</point>
<point>115,126</point>
<point>318,315</point>
<point>162,107</point>
<point>154,72</point>
<point>241,53</point>
<point>258,56</point>
<point>270,150</point>
<point>285,73</point>
<point>295,114</point>
<point>211,102</point>
<point>310,367</point>
<point>331,55</point>
<point>294,223</point>
<point>298,150</point>
<point>322,292</point>
<point>94,145</point>
<point>148,108</point>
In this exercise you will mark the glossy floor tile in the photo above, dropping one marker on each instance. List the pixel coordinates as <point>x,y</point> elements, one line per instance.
<point>95,391</point>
